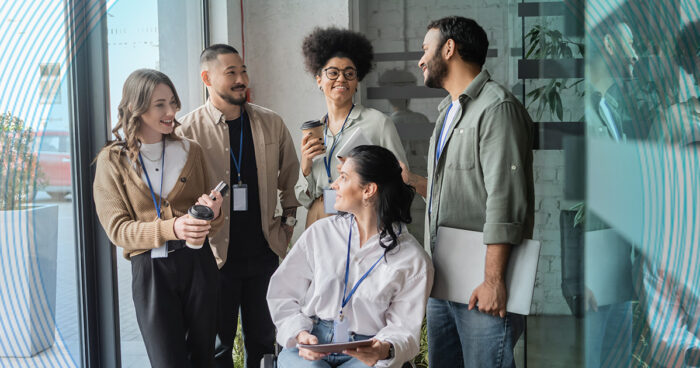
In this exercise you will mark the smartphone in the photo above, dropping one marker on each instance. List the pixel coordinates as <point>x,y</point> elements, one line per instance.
<point>222,188</point>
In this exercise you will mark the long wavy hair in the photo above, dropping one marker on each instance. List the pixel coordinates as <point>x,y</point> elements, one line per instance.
<point>136,100</point>
<point>375,164</point>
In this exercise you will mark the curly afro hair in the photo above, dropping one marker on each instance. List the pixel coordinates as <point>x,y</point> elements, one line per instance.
<point>322,45</point>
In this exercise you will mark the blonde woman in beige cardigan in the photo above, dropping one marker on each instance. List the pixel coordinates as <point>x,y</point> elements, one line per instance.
<point>146,180</point>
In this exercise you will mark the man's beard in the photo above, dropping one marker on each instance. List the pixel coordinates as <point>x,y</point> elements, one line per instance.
<point>437,71</point>
<point>232,100</point>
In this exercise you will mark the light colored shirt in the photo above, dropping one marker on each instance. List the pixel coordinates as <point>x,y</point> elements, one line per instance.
<point>175,157</point>
<point>275,159</point>
<point>376,127</point>
<point>454,109</point>
<point>389,304</point>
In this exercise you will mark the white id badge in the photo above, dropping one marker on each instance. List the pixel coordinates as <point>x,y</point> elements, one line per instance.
<point>340,330</point>
<point>160,252</point>
<point>240,197</point>
<point>329,201</point>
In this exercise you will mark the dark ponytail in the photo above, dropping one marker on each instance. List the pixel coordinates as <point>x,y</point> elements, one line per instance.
<point>375,164</point>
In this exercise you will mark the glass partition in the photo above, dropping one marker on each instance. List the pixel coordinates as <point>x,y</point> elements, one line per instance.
<point>642,176</point>
<point>39,320</point>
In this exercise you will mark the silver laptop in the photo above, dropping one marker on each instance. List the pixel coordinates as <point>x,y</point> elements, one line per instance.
<point>459,259</point>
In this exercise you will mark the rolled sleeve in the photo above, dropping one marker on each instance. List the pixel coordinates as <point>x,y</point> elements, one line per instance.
<point>305,189</point>
<point>505,142</point>
<point>288,331</point>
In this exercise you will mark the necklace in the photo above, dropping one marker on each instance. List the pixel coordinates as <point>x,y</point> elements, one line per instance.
<point>152,159</point>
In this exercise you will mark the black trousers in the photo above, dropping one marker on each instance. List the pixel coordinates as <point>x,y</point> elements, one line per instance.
<point>245,291</point>
<point>176,306</point>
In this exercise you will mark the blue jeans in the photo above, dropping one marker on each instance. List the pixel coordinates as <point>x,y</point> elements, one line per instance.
<point>459,337</point>
<point>323,330</point>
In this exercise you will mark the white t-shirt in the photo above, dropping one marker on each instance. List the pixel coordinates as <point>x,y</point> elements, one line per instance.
<point>175,158</point>
<point>440,145</point>
<point>389,304</point>
<point>454,109</point>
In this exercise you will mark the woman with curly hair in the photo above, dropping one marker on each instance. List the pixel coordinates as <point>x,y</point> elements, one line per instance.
<point>144,184</point>
<point>339,59</point>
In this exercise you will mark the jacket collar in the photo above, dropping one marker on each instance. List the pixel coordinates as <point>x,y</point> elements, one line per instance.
<point>218,116</point>
<point>472,91</point>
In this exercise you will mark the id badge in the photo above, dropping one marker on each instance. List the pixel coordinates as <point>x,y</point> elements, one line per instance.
<point>341,331</point>
<point>329,201</point>
<point>240,197</point>
<point>160,252</point>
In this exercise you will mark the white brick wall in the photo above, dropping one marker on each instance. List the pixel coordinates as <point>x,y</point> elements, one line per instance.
<point>548,167</point>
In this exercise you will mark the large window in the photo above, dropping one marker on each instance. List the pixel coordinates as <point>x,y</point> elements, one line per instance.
<point>39,314</point>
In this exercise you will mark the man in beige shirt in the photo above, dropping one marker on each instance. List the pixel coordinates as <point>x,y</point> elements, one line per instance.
<point>250,148</point>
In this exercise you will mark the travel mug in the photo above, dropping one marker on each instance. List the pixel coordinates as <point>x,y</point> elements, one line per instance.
<point>199,212</point>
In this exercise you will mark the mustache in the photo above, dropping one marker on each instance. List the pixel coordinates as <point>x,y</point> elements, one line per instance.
<point>238,86</point>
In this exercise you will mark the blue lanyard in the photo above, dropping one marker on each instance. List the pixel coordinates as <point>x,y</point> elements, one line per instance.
<point>148,180</point>
<point>441,139</point>
<point>238,162</point>
<point>327,159</point>
<point>346,299</point>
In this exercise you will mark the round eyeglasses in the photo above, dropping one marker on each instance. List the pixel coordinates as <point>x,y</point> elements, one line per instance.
<point>333,73</point>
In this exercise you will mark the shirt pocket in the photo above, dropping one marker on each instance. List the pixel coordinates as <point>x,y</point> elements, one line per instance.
<point>376,295</point>
<point>462,149</point>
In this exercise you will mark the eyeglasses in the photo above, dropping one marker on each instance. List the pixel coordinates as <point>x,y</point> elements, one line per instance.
<point>333,73</point>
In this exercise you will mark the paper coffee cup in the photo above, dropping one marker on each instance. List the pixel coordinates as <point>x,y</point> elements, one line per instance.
<point>312,127</point>
<point>199,212</point>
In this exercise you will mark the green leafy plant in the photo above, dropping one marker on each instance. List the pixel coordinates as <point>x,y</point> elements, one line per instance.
<point>20,177</point>
<point>580,216</point>
<point>238,347</point>
<point>421,360</point>
<point>546,43</point>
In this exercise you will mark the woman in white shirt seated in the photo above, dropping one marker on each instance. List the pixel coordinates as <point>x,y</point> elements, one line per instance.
<point>359,275</point>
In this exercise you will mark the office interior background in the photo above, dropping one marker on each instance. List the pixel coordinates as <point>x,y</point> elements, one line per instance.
<point>617,219</point>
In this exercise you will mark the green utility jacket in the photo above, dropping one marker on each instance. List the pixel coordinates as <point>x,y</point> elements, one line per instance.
<point>483,178</point>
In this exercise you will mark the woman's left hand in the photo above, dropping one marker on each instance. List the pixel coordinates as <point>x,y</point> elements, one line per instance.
<point>215,204</point>
<point>370,355</point>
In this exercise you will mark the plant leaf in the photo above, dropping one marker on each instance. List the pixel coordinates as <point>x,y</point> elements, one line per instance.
<point>559,107</point>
